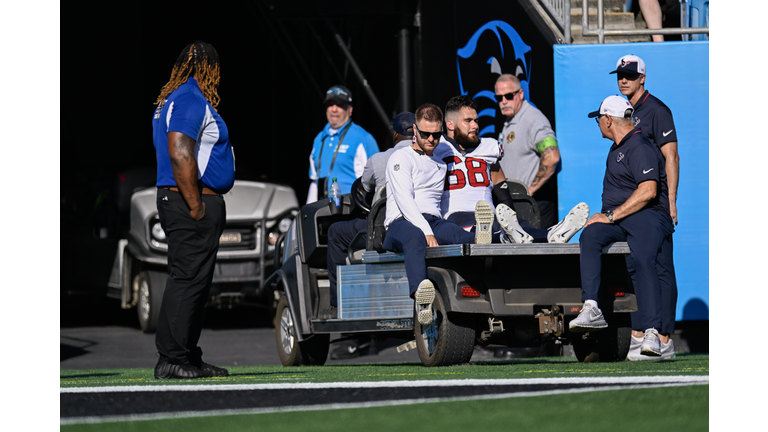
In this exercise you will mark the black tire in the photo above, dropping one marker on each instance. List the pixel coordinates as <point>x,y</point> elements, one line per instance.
<point>607,345</point>
<point>585,347</point>
<point>449,340</point>
<point>615,340</point>
<point>150,287</point>
<point>310,352</point>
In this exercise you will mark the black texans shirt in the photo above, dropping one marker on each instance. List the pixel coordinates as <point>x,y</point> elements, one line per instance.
<point>634,160</point>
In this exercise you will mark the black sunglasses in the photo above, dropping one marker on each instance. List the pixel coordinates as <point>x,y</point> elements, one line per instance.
<point>597,119</point>
<point>508,96</point>
<point>426,135</point>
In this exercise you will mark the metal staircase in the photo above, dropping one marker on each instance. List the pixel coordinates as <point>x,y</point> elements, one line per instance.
<point>606,22</point>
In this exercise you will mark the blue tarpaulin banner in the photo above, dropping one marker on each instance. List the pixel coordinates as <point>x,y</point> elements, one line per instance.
<point>678,74</point>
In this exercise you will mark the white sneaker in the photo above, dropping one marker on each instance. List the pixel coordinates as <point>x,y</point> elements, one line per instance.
<point>570,225</point>
<point>425,295</point>
<point>589,319</point>
<point>483,222</point>
<point>651,345</point>
<point>667,350</point>
<point>508,220</point>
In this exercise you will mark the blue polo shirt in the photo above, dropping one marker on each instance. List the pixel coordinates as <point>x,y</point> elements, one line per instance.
<point>654,119</point>
<point>634,160</point>
<point>358,145</point>
<point>186,110</point>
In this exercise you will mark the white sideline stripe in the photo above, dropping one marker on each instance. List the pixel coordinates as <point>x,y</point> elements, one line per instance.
<point>682,379</point>
<point>253,411</point>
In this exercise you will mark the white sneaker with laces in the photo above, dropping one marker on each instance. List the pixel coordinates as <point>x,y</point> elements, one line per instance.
<point>570,225</point>
<point>508,220</point>
<point>667,350</point>
<point>589,319</point>
<point>651,344</point>
<point>483,222</point>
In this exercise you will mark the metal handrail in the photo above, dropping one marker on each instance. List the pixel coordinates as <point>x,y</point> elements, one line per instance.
<point>601,32</point>
<point>560,11</point>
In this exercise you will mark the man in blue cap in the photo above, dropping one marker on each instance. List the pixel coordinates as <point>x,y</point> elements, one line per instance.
<point>654,119</point>
<point>340,234</point>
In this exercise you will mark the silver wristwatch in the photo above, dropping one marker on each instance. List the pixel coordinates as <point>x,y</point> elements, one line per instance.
<point>610,216</point>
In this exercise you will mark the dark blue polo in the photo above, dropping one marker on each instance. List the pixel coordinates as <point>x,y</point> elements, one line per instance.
<point>634,160</point>
<point>654,119</point>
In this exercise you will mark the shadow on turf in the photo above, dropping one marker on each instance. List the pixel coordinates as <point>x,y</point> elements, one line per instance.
<point>246,374</point>
<point>93,375</point>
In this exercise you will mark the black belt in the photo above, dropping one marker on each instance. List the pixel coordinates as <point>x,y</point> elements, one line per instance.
<point>204,191</point>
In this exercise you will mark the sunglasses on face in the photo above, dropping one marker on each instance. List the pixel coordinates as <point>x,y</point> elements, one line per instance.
<point>426,135</point>
<point>507,96</point>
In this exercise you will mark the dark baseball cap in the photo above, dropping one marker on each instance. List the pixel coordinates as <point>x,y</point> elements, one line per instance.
<point>338,93</point>
<point>403,123</point>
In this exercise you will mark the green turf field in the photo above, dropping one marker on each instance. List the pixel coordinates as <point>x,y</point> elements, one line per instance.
<point>685,408</point>
<point>524,368</point>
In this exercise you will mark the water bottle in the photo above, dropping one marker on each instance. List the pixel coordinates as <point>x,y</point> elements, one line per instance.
<point>335,193</point>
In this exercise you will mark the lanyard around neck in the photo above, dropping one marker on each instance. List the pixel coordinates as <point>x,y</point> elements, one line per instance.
<point>336,152</point>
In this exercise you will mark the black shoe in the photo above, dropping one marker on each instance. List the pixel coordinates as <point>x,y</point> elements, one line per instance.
<point>331,312</point>
<point>214,370</point>
<point>165,370</point>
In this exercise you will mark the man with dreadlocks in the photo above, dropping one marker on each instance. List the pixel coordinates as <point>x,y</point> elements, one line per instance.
<point>195,166</point>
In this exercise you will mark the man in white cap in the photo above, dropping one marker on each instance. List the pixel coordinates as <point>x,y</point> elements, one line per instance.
<point>654,119</point>
<point>636,210</point>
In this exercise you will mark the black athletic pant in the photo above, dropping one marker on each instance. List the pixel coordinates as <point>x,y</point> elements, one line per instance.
<point>192,247</point>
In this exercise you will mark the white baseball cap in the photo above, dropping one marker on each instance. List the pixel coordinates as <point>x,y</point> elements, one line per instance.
<point>614,106</point>
<point>630,64</point>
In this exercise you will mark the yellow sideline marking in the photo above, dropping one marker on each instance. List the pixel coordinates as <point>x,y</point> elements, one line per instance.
<point>417,374</point>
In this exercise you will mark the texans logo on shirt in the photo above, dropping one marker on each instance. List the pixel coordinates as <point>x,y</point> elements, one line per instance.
<point>621,156</point>
<point>636,122</point>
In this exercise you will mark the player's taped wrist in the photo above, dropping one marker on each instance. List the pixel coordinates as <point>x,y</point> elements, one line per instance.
<point>545,143</point>
<point>501,194</point>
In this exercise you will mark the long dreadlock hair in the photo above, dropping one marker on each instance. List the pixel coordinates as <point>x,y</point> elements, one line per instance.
<point>197,58</point>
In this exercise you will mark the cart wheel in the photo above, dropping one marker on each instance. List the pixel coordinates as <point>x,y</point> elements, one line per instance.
<point>447,341</point>
<point>311,352</point>
<point>150,287</point>
<point>607,345</point>
<point>585,347</point>
<point>613,343</point>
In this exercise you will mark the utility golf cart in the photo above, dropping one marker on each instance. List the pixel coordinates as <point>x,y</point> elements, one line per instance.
<point>497,294</point>
<point>257,213</point>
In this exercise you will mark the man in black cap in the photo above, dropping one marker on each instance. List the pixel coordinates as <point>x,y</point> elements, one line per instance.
<point>340,234</point>
<point>341,149</point>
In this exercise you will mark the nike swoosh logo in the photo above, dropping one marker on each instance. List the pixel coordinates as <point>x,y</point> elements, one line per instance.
<point>647,171</point>
<point>667,133</point>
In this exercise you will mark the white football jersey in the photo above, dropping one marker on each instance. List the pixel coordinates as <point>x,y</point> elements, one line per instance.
<point>468,179</point>
<point>414,186</point>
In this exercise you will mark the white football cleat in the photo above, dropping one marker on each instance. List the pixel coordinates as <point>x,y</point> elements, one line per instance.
<point>570,225</point>
<point>508,220</point>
